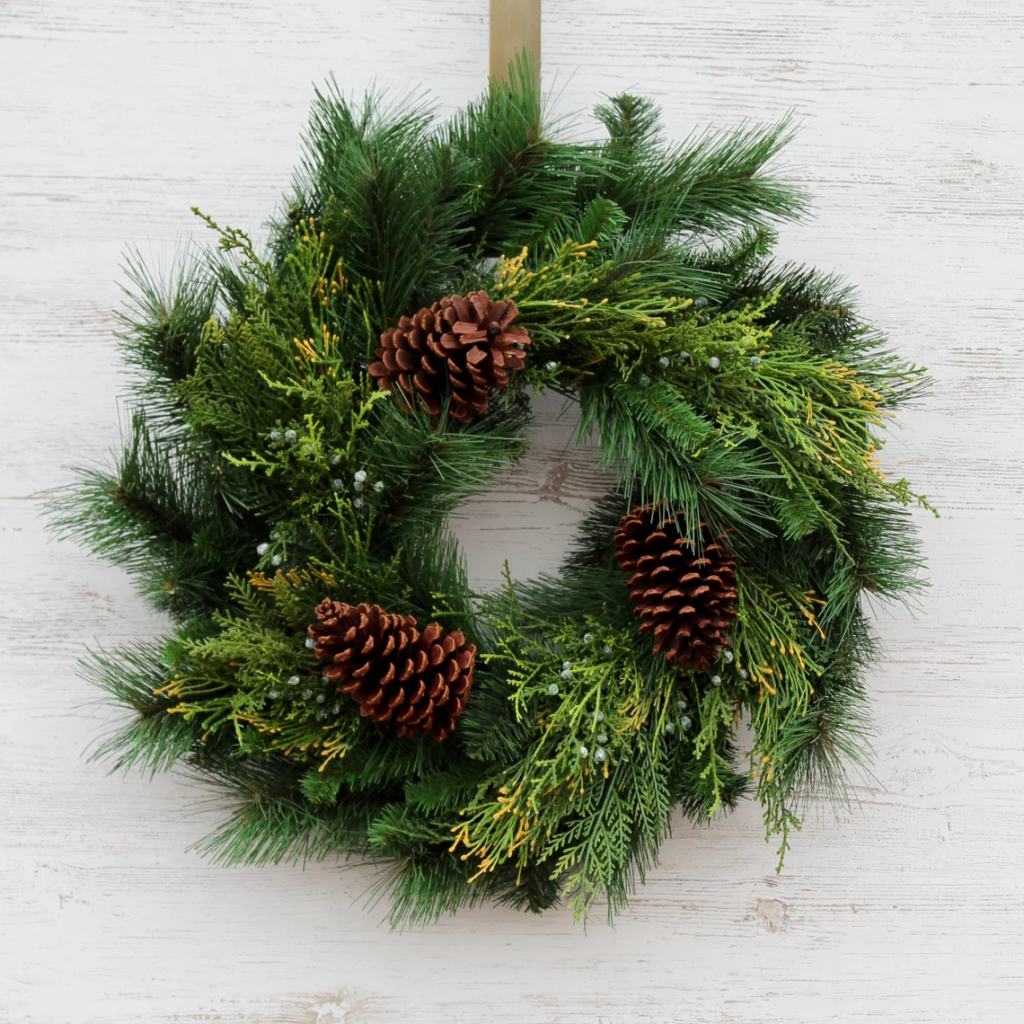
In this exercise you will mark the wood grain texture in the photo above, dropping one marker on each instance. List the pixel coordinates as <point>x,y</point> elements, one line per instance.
<point>118,116</point>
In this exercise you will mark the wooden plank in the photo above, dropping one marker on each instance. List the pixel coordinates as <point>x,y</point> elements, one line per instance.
<point>515,26</point>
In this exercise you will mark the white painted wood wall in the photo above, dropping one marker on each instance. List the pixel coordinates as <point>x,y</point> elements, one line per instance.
<point>116,117</point>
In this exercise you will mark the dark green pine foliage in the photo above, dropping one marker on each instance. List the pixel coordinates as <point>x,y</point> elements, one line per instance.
<point>261,472</point>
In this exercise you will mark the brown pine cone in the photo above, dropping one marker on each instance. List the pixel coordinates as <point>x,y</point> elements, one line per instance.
<point>463,347</point>
<point>420,681</point>
<point>687,602</point>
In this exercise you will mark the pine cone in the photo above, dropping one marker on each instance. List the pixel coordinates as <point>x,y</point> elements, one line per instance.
<point>686,601</point>
<point>460,346</point>
<point>420,681</point>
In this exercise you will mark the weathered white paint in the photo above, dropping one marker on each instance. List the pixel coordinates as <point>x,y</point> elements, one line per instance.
<point>117,117</point>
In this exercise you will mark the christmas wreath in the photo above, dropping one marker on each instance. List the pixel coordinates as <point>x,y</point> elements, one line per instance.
<point>307,417</point>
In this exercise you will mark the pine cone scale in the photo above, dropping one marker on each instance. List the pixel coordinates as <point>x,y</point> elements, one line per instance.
<point>405,360</point>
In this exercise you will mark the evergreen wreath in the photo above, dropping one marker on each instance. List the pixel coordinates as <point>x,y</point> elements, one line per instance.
<point>306,419</point>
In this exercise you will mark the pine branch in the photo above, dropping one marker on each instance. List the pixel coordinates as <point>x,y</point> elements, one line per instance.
<point>151,739</point>
<point>163,320</point>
